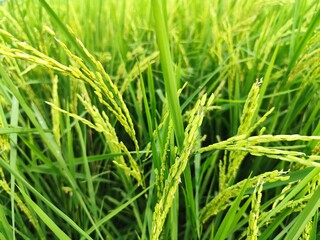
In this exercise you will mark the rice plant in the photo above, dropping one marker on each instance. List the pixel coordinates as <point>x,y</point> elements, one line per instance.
<point>155,119</point>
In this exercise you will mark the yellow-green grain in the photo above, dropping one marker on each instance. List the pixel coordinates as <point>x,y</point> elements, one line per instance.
<point>253,230</point>
<point>55,113</point>
<point>222,200</point>
<point>171,184</point>
<point>4,185</point>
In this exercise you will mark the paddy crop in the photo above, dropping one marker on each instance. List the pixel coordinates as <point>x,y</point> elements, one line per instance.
<point>155,119</point>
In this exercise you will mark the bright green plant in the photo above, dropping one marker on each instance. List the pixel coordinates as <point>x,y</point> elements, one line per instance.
<point>159,119</point>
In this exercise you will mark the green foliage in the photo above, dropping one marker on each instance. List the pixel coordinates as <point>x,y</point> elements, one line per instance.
<point>159,119</point>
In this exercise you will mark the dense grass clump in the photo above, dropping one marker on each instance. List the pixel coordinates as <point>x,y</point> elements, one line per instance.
<point>159,119</point>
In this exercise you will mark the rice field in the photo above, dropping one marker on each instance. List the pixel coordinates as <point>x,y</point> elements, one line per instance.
<point>153,119</point>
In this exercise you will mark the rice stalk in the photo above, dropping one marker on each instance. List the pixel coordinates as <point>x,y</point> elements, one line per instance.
<point>246,127</point>
<point>99,80</point>
<point>161,174</point>
<point>55,114</point>
<point>96,80</point>
<point>171,184</point>
<point>5,149</point>
<point>222,200</point>
<point>253,230</point>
